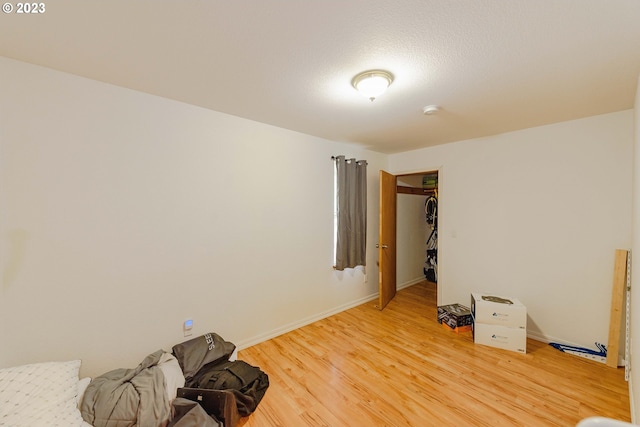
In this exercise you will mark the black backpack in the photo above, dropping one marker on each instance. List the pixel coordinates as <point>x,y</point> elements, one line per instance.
<point>247,383</point>
<point>195,354</point>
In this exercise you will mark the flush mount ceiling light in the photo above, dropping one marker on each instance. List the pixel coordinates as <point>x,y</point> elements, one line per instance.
<point>372,83</point>
<point>431,109</point>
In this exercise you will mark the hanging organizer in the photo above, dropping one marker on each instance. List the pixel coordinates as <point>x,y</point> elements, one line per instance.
<point>431,264</point>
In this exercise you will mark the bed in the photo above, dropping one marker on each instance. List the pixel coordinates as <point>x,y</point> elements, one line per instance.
<point>51,394</point>
<point>42,394</point>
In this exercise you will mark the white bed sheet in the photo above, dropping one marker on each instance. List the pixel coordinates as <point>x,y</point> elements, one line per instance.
<point>40,395</point>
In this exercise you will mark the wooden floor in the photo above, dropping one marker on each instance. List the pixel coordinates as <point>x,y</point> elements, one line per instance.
<point>399,367</point>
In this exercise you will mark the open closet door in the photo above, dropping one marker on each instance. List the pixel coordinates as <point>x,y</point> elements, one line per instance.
<point>387,239</point>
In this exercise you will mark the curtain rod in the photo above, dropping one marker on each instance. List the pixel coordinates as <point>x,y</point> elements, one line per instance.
<point>335,157</point>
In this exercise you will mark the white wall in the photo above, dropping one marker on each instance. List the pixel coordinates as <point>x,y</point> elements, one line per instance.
<point>537,215</point>
<point>634,383</point>
<point>123,214</point>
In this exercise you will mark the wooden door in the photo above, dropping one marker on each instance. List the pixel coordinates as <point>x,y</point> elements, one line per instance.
<point>387,240</point>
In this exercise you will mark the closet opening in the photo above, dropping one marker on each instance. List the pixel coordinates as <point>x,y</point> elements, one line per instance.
<point>417,229</point>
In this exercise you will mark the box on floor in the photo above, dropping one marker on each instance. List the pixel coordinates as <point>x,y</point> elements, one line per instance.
<point>499,322</point>
<point>496,310</point>
<point>514,339</point>
<point>456,317</point>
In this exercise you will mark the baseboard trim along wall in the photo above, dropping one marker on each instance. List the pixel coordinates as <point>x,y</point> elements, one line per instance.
<point>302,322</point>
<point>308,320</point>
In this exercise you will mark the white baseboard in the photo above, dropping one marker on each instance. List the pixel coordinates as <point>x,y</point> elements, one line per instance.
<point>549,339</point>
<point>303,322</point>
<point>409,283</point>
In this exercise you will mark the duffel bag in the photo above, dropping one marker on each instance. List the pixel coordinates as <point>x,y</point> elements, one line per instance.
<point>248,383</point>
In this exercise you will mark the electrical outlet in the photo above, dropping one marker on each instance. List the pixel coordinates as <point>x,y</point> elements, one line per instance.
<point>187,326</point>
<point>364,278</point>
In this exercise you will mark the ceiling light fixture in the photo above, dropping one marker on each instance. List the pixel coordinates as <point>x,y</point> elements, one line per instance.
<point>431,109</point>
<point>372,83</point>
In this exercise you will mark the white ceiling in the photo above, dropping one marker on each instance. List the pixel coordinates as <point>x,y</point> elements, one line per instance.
<point>492,65</point>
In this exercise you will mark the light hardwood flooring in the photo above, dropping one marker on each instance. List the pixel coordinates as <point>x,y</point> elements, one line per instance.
<point>400,367</point>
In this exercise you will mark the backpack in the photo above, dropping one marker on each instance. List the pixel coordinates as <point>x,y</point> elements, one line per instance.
<point>247,383</point>
<point>195,354</point>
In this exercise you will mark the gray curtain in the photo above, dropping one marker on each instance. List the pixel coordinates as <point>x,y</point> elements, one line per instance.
<point>351,240</point>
